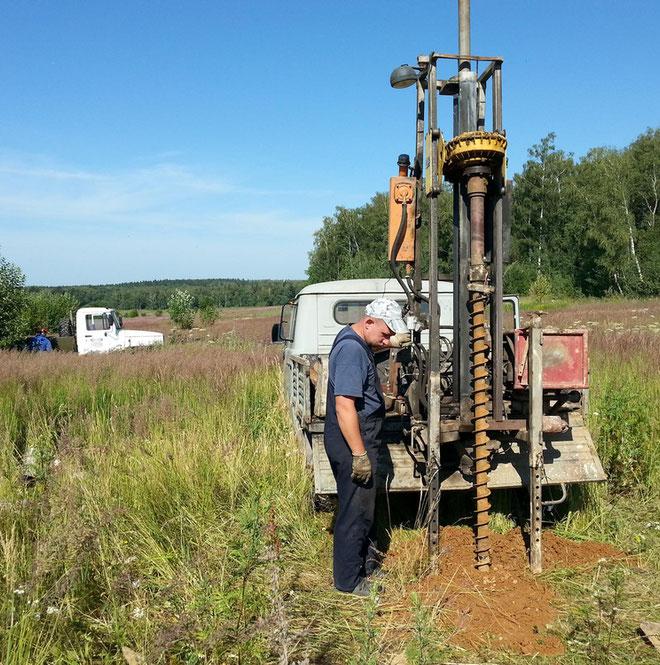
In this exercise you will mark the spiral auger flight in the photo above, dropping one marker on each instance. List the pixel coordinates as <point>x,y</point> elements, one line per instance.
<point>479,371</point>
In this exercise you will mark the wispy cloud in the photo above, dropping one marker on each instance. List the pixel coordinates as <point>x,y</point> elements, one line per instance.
<point>166,194</point>
<point>30,189</point>
<point>41,200</point>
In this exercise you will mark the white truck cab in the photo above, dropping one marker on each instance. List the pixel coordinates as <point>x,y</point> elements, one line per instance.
<point>312,320</point>
<point>99,330</point>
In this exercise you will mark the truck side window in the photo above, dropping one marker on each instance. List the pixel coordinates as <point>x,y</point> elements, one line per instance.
<point>97,322</point>
<point>347,312</point>
<point>288,321</point>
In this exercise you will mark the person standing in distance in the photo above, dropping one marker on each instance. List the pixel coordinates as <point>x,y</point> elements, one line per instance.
<point>40,342</point>
<point>355,413</point>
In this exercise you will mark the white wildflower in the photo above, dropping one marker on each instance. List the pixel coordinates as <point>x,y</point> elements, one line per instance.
<point>135,584</point>
<point>56,462</point>
<point>137,613</point>
<point>19,591</point>
<point>52,610</point>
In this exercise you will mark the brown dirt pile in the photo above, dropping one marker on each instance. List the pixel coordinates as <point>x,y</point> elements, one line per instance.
<point>505,608</point>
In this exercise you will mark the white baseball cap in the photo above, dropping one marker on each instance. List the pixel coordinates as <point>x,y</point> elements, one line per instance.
<point>389,311</point>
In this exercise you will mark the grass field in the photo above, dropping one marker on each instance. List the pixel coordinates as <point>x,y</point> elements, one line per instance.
<point>170,520</point>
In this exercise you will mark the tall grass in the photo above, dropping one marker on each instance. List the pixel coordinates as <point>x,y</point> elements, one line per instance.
<point>171,513</point>
<point>625,422</point>
<point>147,528</point>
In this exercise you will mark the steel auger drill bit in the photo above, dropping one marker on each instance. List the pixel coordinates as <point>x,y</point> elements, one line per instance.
<point>476,187</point>
<point>470,157</point>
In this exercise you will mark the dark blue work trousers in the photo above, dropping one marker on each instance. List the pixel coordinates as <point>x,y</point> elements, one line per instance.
<point>354,549</point>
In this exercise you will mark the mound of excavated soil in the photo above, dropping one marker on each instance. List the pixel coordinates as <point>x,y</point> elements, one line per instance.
<point>507,607</point>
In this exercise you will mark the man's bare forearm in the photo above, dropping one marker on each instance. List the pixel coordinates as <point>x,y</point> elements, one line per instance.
<point>349,424</point>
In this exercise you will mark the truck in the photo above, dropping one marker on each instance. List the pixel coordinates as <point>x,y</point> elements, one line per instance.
<point>99,330</point>
<point>478,401</point>
<point>308,326</point>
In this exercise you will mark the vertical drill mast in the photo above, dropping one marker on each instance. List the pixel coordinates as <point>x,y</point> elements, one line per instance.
<point>472,162</point>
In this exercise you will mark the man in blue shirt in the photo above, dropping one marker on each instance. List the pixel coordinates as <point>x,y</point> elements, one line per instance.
<point>40,342</point>
<point>355,412</point>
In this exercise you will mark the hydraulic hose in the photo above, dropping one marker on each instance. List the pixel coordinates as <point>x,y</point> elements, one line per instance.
<point>398,241</point>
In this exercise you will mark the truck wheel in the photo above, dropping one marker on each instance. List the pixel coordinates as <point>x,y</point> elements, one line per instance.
<point>323,503</point>
<point>65,328</point>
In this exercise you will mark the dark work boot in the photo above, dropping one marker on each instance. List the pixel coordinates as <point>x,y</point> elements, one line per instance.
<point>363,588</point>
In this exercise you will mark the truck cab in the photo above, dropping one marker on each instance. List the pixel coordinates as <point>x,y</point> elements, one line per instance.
<point>99,330</point>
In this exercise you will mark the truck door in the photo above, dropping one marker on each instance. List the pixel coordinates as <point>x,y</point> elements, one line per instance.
<point>98,334</point>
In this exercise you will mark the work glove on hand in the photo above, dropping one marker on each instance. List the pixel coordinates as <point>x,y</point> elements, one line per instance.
<point>400,340</point>
<point>361,469</point>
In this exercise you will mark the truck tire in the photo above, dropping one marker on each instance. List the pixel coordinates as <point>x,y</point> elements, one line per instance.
<point>323,503</point>
<point>65,328</point>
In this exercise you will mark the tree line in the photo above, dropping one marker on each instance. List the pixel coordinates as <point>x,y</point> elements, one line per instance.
<point>579,227</point>
<point>24,310</point>
<point>156,294</point>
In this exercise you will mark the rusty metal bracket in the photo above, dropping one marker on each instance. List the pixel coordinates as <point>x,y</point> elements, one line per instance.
<point>480,288</point>
<point>535,441</point>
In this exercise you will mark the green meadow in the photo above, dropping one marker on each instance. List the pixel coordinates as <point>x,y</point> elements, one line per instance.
<point>169,516</point>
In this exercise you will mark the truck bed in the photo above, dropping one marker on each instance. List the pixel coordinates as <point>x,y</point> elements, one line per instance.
<point>569,457</point>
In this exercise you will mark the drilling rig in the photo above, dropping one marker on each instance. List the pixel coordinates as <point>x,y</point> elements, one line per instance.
<point>489,396</point>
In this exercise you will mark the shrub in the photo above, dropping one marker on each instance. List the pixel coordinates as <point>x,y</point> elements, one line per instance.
<point>541,288</point>
<point>180,306</point>
<point>12,302</point>
<point>209,313</point>
<point>518,277</point>
<point>131,314</point>
<point>46,309</point>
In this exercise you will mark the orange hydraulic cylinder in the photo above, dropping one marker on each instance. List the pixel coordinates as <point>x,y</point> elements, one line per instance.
<point>402,194</point>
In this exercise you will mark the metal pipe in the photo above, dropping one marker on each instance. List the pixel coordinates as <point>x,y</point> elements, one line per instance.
<point>464,32</point>
<point>419,161</point>
<point>481,106</point>
<point>461,310</point>
<point>476,192</point>
<point>466,56</point>
<point>416,394</point>
<point>496,317</point>
<point>561,499</point>
<point>487,73</point>
<point>467,122</point>
<point>434,385</point>
<point>456,360</point>
<point>497,97</point>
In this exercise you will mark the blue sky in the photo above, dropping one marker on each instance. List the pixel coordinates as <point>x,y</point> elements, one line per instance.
<point>148,140</point>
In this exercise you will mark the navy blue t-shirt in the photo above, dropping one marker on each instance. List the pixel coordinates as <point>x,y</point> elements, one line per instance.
<point>352,372</point>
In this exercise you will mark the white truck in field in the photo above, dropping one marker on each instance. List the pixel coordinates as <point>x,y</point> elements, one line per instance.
<point>308,327</point>
<point>100,330</point>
